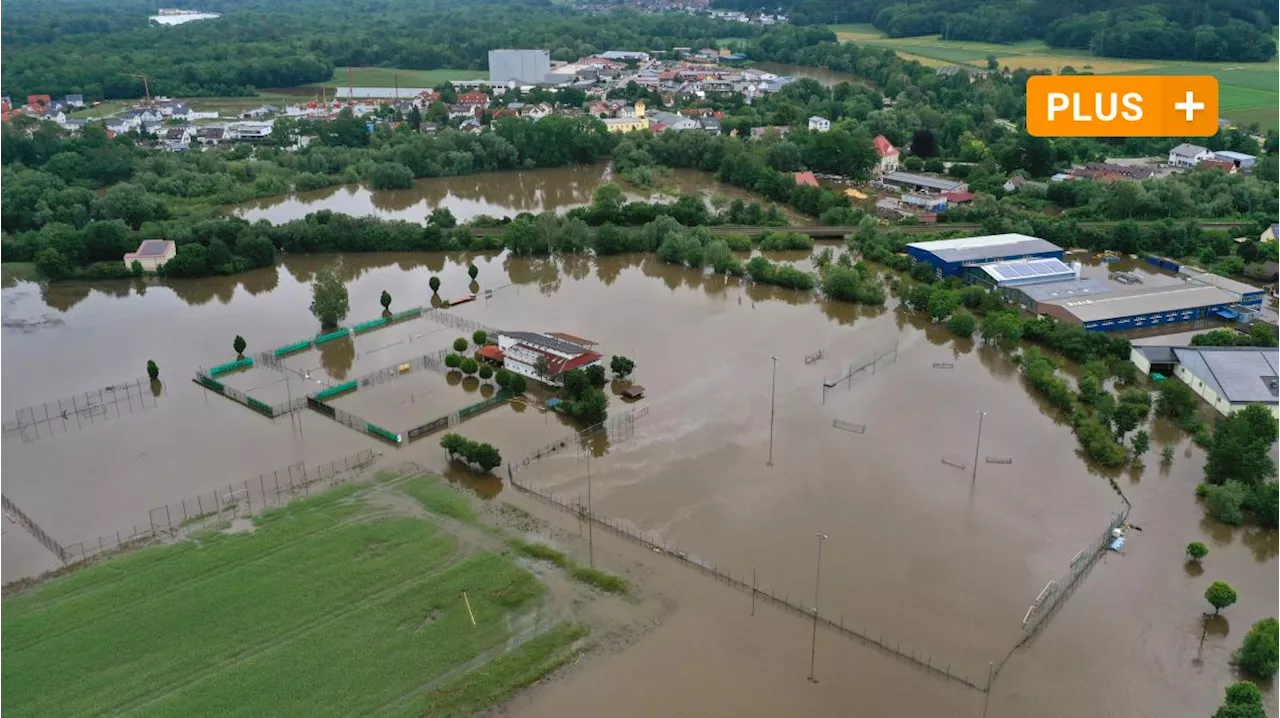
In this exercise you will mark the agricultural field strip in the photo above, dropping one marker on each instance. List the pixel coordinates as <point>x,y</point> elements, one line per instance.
<point>174,553</point>
<point>291,621</point>
<point>316,623</point>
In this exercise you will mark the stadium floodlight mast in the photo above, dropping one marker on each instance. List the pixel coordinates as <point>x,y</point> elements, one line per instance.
<point>773,393</point>
<point>977,445</point>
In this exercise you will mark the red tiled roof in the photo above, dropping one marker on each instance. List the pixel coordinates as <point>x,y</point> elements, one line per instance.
<point>559,365</point>
<point>490,352</point>
<point>959,197</point>
<point>807,179</point>
<point>884,147</point>
<point>473,98</point>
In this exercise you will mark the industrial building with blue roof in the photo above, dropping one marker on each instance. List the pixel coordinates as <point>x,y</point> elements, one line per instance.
<point>950,257</point>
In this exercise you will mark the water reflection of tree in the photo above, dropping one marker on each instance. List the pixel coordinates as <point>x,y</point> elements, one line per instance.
<point>608,268</point>
<point>846,314</point>
<point>577,266</point>
<point>337,357</point>
<point>64,295</point>
<point>543,271</point>
<point>197,292</point>
<point>260,281</point>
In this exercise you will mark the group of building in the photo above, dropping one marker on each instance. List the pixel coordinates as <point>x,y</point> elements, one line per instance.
<point>1032,273</point>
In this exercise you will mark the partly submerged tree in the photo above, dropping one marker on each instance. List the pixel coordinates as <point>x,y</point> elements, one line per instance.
<point>621,366</point>
<point>434,283</point>
<point>1196,550</point>
<point>239,345</point>
<point>1219,595</point>
<point>329,301</point>
<point>153,370</point>
<point>385,299</point>
<point>1260,653</point>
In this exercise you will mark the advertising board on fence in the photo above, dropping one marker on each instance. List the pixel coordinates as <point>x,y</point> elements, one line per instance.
<point>320,406</point>
<point>427,428</point>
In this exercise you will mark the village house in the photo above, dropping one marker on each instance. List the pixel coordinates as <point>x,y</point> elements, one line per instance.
<point>473,100</point>
<point>543,356</point>
<point>819,124</point>
<point>76,101</point>
<point>1188,155</point>
<point>888,155</point>
<point>637,122</point>
<point>249,131</point>
<point>672,122</point>
<point>210,136</point>
<point>1241,160</point>
<point>464,112</point>
<point>759,133</point>
<point>1111,172</point>
<point>152,254</point>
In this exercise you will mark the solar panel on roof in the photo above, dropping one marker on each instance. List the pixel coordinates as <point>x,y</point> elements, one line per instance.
<point>152,246</point>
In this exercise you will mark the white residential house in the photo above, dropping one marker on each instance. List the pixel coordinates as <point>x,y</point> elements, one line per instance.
<point>523,352</point>
<point>152,254</point>
<point>74,125</point>
<point>1188,155</point>
<point>210,136</point>
<point>888,155</point>
<point>819,124</point>
<point>538,111</point>
<point>464,112</point>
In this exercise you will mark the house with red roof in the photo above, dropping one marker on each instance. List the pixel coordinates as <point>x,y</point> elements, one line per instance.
<point>888,155</point>
<point>473,100</point>
<point>544,356</point>
<point>807,179</point>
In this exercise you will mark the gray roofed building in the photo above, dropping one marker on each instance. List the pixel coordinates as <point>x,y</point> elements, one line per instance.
<point>1145,301</point>
<point>546,341</point>
<point>989,248</point>
<point>1229,378</point>
<point>937,184</point>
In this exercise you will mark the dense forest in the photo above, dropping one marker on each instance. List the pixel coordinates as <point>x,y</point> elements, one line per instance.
<point>92,48</point>
<point>1226,30</point>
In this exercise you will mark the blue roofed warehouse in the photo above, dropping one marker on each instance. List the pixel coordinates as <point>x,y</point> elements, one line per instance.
<point>950,257</point>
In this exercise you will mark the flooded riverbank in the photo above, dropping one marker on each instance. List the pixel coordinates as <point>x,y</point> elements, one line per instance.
<point>492,194</point>
<point>917,550</point>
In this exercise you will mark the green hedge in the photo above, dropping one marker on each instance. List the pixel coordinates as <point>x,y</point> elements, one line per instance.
<point>292,348</point>
<point>331,336</point>
<point>336,390</point>
<point>379,431</point>
<point>231,366</point>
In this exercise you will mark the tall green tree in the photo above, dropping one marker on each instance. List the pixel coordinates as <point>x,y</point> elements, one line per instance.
<point>1219,595</point>
<point>329,301</point>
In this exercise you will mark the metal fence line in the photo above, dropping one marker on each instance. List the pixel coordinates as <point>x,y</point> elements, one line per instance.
<point>213,508</point>
<point>16,514</point>
<point>440,315</point>
<point>617,428</point>
<point>860,365</point>
<point>654,542</point>
<point>80,411</point>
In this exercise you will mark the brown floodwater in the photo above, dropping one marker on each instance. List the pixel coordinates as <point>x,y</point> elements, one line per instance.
<point>917,551</point>
<point>493,194</point>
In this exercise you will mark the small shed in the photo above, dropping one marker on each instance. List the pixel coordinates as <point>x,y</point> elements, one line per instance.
<point>633,392</point>
<point>152,254</point>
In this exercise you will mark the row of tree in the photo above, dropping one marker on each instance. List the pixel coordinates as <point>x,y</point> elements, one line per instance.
<point>473,453</point>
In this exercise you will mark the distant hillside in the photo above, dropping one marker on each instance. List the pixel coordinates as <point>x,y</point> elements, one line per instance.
<point>1205,30</point>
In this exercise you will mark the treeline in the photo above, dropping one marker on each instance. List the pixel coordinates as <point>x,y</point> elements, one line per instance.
<point>76,46</point>
<point>1239,30</point>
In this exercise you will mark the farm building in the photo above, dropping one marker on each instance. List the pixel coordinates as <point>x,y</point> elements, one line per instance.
<point>1144,308</point>
<point>1229,378</point>
<point>951,256</point>
<point>152,254</point>
<point>523,352</point>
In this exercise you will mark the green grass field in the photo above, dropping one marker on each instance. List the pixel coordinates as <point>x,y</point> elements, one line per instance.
<point>324,609</point>
<point>1247,90</point>
<point>389,77</point>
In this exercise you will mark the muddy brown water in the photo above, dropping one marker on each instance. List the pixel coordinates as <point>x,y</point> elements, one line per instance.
<point>828,78</point>
<point>494,194</point>
<point>917,550</point>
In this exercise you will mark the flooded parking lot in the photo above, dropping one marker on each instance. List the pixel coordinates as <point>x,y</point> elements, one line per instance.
<point>918,549</point>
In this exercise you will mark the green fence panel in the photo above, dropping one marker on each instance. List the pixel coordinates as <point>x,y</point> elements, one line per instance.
<point>481,406</point>
<point>331,336</point>
<point>383,433</point>
<point>371,325</point>
<point>260,406</point>
<point>407,314</point>
<point>292,348</point>
<point>336,390</point>
<point>210,383</point>
<point>231,366</point>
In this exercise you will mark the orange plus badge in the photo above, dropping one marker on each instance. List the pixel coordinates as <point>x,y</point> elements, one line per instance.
<point>1122,105</point>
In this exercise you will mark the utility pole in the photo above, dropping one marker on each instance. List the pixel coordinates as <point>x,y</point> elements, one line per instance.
<point>817,583</point>
<point>977,444</point>
<point>773,393</point>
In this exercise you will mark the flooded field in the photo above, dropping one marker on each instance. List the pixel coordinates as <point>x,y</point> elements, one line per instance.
<point>918,548</point>
<point>493,194</point>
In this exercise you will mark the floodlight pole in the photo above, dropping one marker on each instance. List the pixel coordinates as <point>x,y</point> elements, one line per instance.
<point>976,445</point>
<point>773,393</point>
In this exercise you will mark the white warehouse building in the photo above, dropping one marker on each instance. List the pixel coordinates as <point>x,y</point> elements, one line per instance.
<point>1228,378</point>
<point>527,67</point>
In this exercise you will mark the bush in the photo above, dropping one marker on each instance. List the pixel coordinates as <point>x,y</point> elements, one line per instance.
<point>503,378</point>
<point>962,324</point>
<point>1220,595</point>
<point>459,344</point>
<point>391,175</point>
<point>453,361</point>
<point>153,370</point>
<point>1259,655</point>
<point>486,371</point>
<point>1197,550</point>
<point>469,366</point>
<point>1224,501</point>
<point>479,337</point>
<point>518,383</point>
<point>737,242</point>
<point>1243,700</point>
<point>781,241</point>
